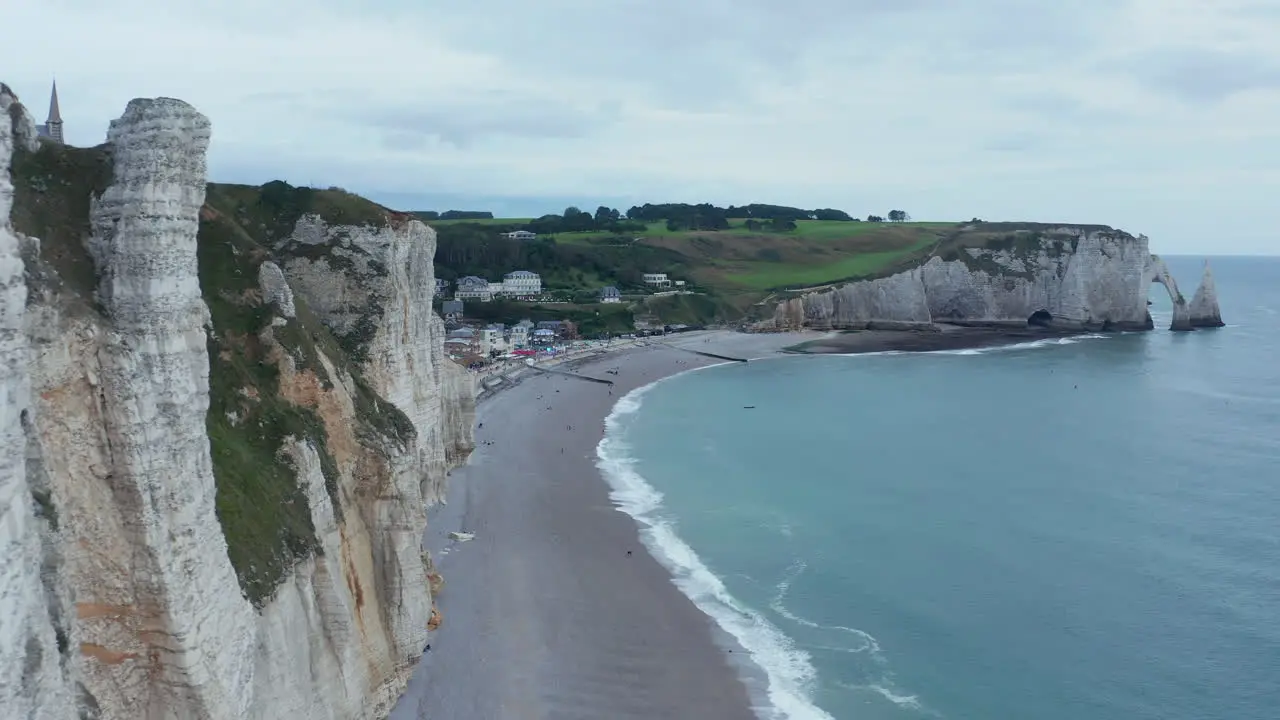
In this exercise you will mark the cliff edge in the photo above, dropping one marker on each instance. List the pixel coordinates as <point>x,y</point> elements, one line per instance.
<point>214,468</point>
<point>1087,278</point>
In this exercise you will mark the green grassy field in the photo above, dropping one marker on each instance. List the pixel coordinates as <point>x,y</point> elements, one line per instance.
<point>738,261</point>
<point>769,276</point>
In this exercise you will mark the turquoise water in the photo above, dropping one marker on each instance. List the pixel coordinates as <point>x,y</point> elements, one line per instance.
<point>1087,529</point>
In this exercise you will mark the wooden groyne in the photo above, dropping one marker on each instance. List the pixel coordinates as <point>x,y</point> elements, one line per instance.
<point>704,353</point>
<point>576,376</point>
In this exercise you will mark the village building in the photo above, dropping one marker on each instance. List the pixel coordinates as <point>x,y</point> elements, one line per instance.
<point>464,339</point>
<point>457,347</point>
<point>543,337</point>
<point>610,294</point>
<point>473,288</point>
<point>520,334</point>
<point>442,287</point>
<point>657,279</point>
<point>522,284</point>
<point>492,340</point>
<point>520,235</point>
<point>451,310</point>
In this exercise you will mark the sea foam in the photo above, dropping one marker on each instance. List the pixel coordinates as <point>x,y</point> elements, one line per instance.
<point>790,674</point>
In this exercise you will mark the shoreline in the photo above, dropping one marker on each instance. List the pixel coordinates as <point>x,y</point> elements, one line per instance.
<point>945,337</point>
<point>614,628</point>
<point>544,612</point>
<point>545,615</point>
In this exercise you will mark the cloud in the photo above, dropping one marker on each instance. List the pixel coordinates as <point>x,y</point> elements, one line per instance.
<point>460,121</point>
<point>1152,115</point>
<point>1198,75</point>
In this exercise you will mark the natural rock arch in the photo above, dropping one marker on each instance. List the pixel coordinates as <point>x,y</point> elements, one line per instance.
<point>1158,272</point>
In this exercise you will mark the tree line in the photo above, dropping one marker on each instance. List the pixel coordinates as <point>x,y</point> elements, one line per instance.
<point>677,216</point>
<point>453,215</point>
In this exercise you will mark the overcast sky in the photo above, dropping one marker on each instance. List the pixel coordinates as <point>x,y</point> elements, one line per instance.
<point>1156,116</point>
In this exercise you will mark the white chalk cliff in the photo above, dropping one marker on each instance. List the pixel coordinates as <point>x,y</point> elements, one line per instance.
<point>1070,278</point>
<point>35,681</point>
<point>141,412</point>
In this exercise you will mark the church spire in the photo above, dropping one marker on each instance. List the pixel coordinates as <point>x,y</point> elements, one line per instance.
<point>54,124</point>
<point>55,115</point>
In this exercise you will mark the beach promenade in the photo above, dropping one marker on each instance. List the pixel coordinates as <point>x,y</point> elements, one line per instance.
<point>555,609</point>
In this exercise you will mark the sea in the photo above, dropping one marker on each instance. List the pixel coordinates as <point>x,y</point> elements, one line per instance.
<point>1083,528</point>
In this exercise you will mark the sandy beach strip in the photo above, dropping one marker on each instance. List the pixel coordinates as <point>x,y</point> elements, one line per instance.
<point>545,615</point>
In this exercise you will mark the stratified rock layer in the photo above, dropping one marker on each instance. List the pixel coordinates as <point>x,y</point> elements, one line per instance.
<point>373,286</point>
<point>1070,278</point>
<point>122,599</point>
<point>188,640</point>
<point>33,681</point>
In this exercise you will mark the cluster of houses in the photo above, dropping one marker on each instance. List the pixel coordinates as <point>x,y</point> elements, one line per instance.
<point>525,285</point>
<point>523,338</point>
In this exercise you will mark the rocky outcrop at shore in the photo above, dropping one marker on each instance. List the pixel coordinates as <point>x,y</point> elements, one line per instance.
<point>1070,278</point>
<point>1204,311</point>
<point>223,411</point>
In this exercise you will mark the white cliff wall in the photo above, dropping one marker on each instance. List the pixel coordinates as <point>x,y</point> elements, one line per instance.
<point>1082,279</point>
<point>189,638</point>
<point>33,682</point>
<point>384,278</point>
<point>135,585</point>
<point>894,302</point>
<point>1103,280</point>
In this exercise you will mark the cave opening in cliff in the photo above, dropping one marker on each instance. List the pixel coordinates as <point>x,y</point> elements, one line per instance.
<point>1040,318</point>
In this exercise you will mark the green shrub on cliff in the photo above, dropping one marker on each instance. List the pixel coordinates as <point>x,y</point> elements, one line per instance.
<point>265,517</point>
<point>52,190</point>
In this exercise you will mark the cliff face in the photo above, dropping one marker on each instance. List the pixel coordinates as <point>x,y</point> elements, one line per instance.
<point>1075,278</point>
<point>214,500</point>
<point>34,682</point>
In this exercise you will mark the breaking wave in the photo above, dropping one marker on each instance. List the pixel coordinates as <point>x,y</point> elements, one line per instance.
<point>788,670</point>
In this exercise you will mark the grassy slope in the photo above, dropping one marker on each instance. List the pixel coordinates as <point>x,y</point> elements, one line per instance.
<point>738,261</point>
<point>265,517</point>
<point>739,264</point>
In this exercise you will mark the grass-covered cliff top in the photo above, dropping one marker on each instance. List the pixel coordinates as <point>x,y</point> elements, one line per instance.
<point>739,263</point>
<point>269,212</point>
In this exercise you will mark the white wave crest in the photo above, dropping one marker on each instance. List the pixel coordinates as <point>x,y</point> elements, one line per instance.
<point>790,675</point>
<point>867,644</point>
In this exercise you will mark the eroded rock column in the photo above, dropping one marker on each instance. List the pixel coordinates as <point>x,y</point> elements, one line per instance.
<point>1204,304</point>
<point>194,627</point>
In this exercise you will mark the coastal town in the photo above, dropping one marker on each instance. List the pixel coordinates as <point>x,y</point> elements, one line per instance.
<point>494,346</point>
